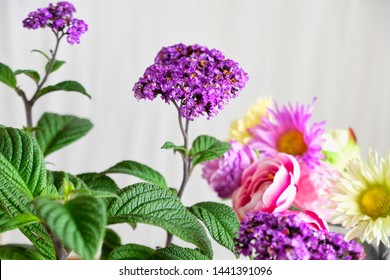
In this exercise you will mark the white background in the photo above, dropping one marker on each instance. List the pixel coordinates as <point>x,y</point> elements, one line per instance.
<point>337,51</point>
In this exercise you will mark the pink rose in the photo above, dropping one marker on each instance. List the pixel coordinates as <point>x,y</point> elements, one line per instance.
<point>310,218</point>
<point>314,189</point>
<point>267,185</point>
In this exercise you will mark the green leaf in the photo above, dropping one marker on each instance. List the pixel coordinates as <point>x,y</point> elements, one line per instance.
<point>98,182</point>
<point>170,145</point>
<point>64,86</point>
<point>57,131</point>
<point>21,162</point>
<point>156,205</point>
<point>42,53</point>
<point>205,148</point>
<point>61,179</point>
<point>29,73</point>
<point>110,242</point>
<point>131,252</point>
<point>174,252</point>
<point>7,76</point>
<point>220,220</point>
<point>22,177</point>
<point>138,170</point>
<point>57,64</point>
<point>19,252</point>
<point>79,224</point>
<point>18,221</point>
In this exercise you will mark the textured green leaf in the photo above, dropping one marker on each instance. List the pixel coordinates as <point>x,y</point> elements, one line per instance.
<point>29,73</point>
<point>174,252</point>
<point>57,131</point>
<point>21,162</point>
<point>131,252</point>
<point>170,145</point>
<point>7,76</point>
<point>99,182</point>
<point>15,202</point>
<point>220,220</point>
<point>156,205</point>
<point>57,64</point>
<point>205,148</point>
<point>18,221</point>
<point>63,86</point>
<point>60,179</point>
<point>79,224</point>
<point>138,170</point>
<point>22,177</point>
<point>19,252</point>
<point>110,242</point>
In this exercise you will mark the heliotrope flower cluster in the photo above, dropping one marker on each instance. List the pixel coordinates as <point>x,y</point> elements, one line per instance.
<point>266,236</point>
<point>198,80</point>
<point>60,19</point>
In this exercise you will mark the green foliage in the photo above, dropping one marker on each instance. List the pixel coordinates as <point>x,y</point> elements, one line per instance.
<point>155,205</point>
<point>18,221</point>
<point>174,252</point>
<point>57,131</point>
<point>71,86</point>
<point>79,223</point>
<point>19,252</point>
<point>220,220</point>
<point>205,148</point>
<point>169,145</point>
<point>138,170</point>
<point>131,252</point>
<point>56,65</point>
<point>7,76</point>
<point>110,242</point>
<point>34,75</point>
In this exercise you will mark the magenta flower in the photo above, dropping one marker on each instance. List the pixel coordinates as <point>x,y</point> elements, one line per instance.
<point>287,130</point>
<point>60,19</point>
<point>197,80</point>
<point>224,174</point>
<point>268,185</point>
<point>314,189</point>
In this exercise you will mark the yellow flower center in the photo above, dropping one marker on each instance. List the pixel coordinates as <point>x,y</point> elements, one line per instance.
<point>375,202</point>
<point>292,143</point>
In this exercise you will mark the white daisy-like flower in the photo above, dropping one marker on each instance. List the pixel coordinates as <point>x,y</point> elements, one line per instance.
<point>363,199</point>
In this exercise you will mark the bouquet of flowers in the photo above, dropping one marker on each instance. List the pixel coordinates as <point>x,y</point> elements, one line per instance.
<point>282,171</point>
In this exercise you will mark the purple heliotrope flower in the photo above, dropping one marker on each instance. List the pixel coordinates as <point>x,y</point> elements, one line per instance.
<point>287,130</point>
<point>60,19</point>
<point>197,80</point>
<point>224,174</point>
<point>276,236</point>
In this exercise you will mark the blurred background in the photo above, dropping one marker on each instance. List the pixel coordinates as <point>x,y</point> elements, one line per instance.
<point>293,51</point>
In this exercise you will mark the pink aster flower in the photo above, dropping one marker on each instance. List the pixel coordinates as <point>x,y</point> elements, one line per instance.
<point>224,174</point>
<point>314,189</point>
<point>287,130</point>
<point>267,185</point>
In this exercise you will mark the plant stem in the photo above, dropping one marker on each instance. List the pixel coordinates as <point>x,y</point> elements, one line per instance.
<point>29,103</point>
<point>185,157</point>
<point>61,252</point>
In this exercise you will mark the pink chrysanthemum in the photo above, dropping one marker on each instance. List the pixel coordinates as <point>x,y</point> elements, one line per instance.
<point>287,130</point>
